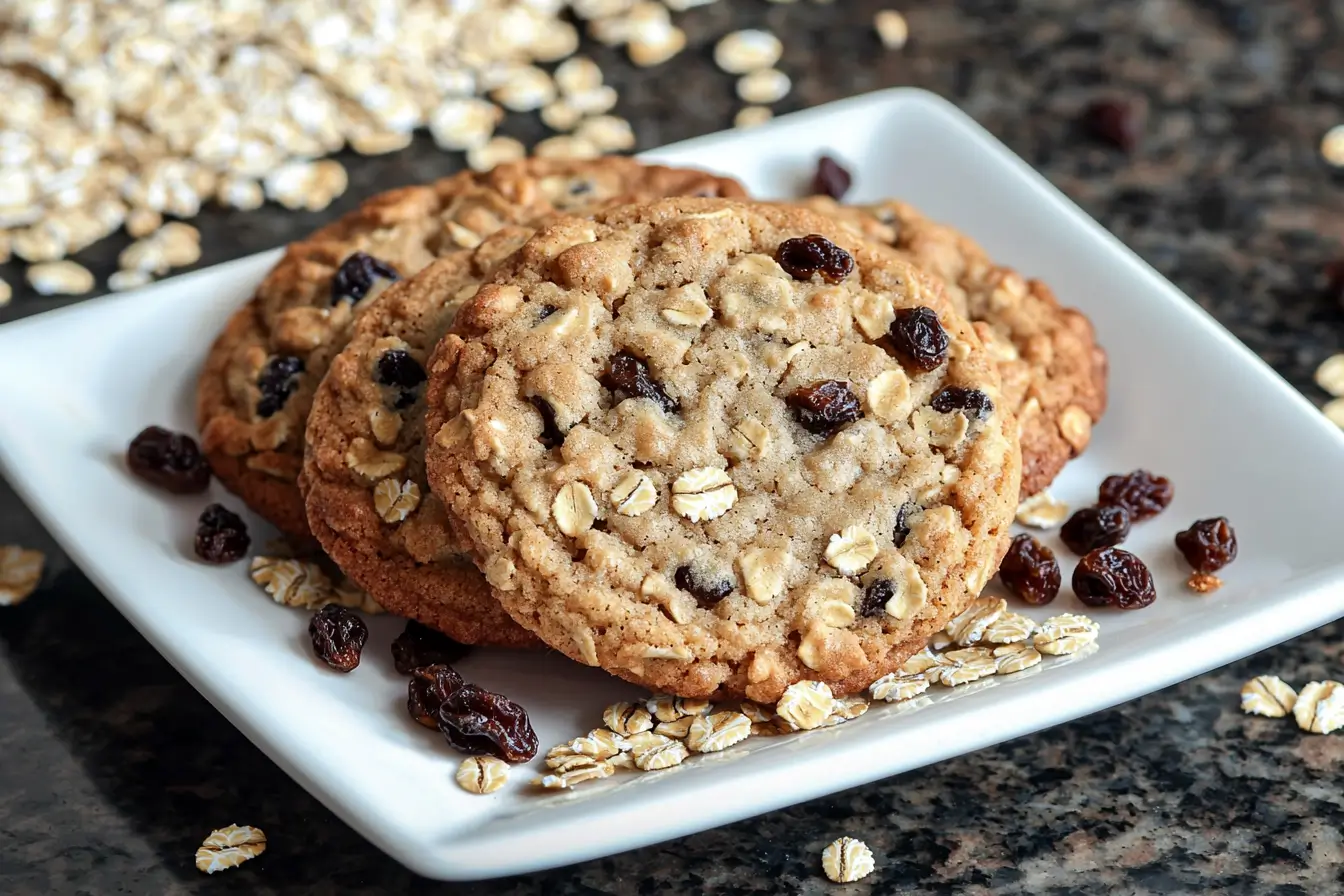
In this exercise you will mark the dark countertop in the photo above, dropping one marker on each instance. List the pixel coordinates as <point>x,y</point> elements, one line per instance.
<point>112,768</point>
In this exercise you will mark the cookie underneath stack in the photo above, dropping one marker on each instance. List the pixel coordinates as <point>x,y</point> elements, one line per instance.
<point>713,447</point>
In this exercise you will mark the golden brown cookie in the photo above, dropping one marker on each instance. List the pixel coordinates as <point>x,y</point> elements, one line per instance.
<point>254,393</point>
<point>717,448</point>
<point>1054,373</point>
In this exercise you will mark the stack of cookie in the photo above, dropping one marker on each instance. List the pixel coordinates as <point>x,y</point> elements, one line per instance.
<point>714,447</point>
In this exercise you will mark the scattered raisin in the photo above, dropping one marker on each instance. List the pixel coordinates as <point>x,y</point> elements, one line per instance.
<point>338,636</point>
<point>803,256</point>
<point>277,382</point>
<point>419,645</point>
<point>824,406</point>
<point>221,535</point>
<point>903,522</point>
<point>919,338</point>
<point>1141,493</point>
<point>428,688</point>
<point>875,597</point>
<point>1334,281</point>
<point>1095,527</point>
<point>708,593</point>
<point>628,376</point>
<point>1030,571</point>
<point>551,436</point>
<point>972,402</point>
<point>1208,545</point>
<point>1112,577</point>
<point>398,369</point>
<point>1117,122</point>
<point>831,179</point>
<point>170,460</point>
<point>356,276</point>
<point>476,721</point>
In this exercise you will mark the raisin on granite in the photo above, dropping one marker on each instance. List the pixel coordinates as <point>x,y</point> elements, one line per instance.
<point>1095,527</point>
<point>824,406</point>
<point>1113,577</point>
<point>831,179</point>
<point>221,535</point>
<point>551,436</point>
<point>919,338</point>
<point>427,690</point>
<point>419,645</point>
<point>1115,121</point>
<point>170,460</point>
<point>338,636</point>
<point>1030,571</point>
<point>875,597</point>
<point>277,382</point>
<point>1208,545</point>
<point>903,522</point>
<point>356,276</point>
<point>478,722</point>
<point>628,377</point>
<point>803,256</point>
<point>1140,492</point>
<point>397,369</point>
<point>706,592</point>
<point>975,404</point>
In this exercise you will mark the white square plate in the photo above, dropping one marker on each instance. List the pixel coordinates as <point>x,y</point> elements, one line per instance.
<point>1187,401</point>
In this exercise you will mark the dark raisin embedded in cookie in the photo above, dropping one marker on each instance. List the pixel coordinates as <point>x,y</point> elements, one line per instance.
<point>908,509</point>
<point>397,369</point>
<point>975,404</point>
<point>356,276</point>
<point>824,406</point>
<point>221,535</point>
<point>628,377</point>
<point>551,436</point>
<point>707,591</point>
<point>1208,545</point>
<point>803,256</point>
<point>170,460</point>
<point>875,597</point>
<point>831,179</point>
<point>545,311</point>
<point>277,382</point>
<point>919,338</point>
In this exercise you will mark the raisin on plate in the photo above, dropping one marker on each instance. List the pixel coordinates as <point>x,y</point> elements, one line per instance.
<point>1030,571</point>
<point>1140,492</point>
<point>1095,527</point>
<point>476,721</point>
<point>428,688</point>
<point>831,179</point>
<point>221,535</point>
<point>419,645</point>
<point>338,636</point>
<point>1113,577</point>
<point>170,460</point>
<point>1208,545</point>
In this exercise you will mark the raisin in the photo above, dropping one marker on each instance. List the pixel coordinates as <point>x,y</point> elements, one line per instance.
<point>476,721</point>
<point>1117,122</point>
<point>397,369</point>
<point>628,376</point>
<point>1334,282</point>
<point>1141,493</point>
<point>277,382</point>
<point>1112,577</point>
<point>1208,545</point>
<point>170,460</point>
<point>803,256</point>
<point>338,636</point>
<point>972,402</point>
<point>545,312</point>
<point>1095,527</point>
<point>707,593</point>
<point>831,179</point>
<point>824,406</point>
<point>419,645</point>
<point>356,276</point>
<point>875,597</point>
<point>919,338</point>
<point>429,687</point>
<point>903,522</point>
<point>551,436</point>
<point>1030,571</point>
<point>221,535</point>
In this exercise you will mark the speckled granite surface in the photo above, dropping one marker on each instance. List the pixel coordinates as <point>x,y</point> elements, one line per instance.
<point>112,768</point>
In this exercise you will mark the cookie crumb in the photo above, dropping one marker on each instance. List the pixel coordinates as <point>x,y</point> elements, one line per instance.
<point>20,573</point>
<point>1269,696</point>
<point>1203,583</point>
<point>847,860</point>
<point>229,847</point>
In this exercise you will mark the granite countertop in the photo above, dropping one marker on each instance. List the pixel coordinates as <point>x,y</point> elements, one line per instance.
<point>113,767</point>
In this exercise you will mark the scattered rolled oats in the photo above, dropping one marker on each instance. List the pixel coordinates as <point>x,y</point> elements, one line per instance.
<point>1268,695</point>
<point>1330,375</point>
<point>576,770</point>
<point>6,293</point>
<point>898,686</point>
<point>763,87</point>
<point>754,712</point>
<point>1015,657</point>
<point>634,494</point>
<point>578,74</point>
<point>1065,634</point>
<point>752,116</point>
<point>920,662</point>
<point>719,731</point>
<point>1334,412</point>
<point>806,704</point>
<point>747,51</point>
<point>527,89</point>
<point>122,281</point>
<point>653,752</point>
<point>667,708</point>
<point>394,500</point>
<point>20,573</point>
<point>599,743</point>
<point>59,278</point>
<point>892,29</point>
<point>847,860</point>
<point>1319,707</point>
<point>482,774</point>
<point>574,508</point>
<point>963,667</point>
<point>1332,146</point>
<point>969,626</point>
<point>703,494</point>
<point>609,133</point>
<point>1009,628</point>
<point>648,53</point>
<point>627,719</point>
<point>846,709</point>
<point>676,729</point>
<point>851,550</point>
<point>565,147</point>
<point>293,583</point>
<point>229,847</point>
<point>495,151</point>
<point>1042,511</point>
<point>939,640</point>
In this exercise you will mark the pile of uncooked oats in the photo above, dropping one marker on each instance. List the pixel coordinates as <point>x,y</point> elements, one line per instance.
<point>1318,708</point>
<point>1330,377</point>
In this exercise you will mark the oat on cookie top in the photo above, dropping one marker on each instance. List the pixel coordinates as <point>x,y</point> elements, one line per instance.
<point>718,448</point>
